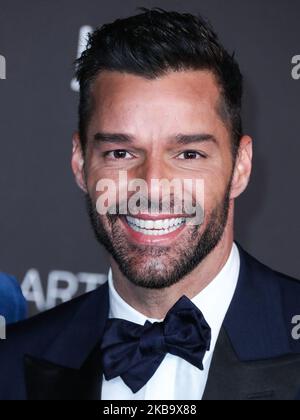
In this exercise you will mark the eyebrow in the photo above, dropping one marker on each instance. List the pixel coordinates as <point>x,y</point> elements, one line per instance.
<point>113,138</point>
<point>185,139</point>
<point>181,139</point>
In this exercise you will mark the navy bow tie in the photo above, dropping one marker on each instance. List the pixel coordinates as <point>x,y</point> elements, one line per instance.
<point>135,352</point>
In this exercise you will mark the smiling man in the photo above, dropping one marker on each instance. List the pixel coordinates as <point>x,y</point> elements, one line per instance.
<point>186,313</point>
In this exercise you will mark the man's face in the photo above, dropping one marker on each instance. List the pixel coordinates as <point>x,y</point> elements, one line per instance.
<point>167,128</point>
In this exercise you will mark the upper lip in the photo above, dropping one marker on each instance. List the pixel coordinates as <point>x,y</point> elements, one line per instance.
<point>144,216</point>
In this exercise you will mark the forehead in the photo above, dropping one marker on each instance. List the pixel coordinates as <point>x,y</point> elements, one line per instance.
<point>186,100</point>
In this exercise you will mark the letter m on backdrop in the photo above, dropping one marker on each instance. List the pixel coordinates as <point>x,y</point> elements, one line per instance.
<point>2,67</point>
<point>2,328</point>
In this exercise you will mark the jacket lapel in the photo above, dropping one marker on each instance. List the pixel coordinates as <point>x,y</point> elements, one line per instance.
<point>253,358</point>
<point>232,379</point>
<point>47,381</point>
<point>70,369</point>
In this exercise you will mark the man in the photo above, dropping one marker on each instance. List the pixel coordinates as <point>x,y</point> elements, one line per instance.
<point>186,314</point>
<point>13,306</point>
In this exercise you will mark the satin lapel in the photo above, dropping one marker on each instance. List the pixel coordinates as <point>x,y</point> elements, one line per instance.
<point>231,379</point>
<point>71,369</point>
<point>48,381</point>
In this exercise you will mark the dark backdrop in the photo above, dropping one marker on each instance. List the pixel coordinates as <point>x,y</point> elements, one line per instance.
<point>46,240</point>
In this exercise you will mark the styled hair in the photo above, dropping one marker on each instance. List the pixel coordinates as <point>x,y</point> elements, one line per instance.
<point>153,43</point>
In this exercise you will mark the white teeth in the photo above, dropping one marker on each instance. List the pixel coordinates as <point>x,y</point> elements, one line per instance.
<point>149,224</point>
<point>158,224</point>
<point>130,220</point>
<point>166,224</point>
<point>155,227</point>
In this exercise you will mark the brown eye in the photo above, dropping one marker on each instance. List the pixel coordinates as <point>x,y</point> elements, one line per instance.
<point>118,154</point>
<point>190,155</point>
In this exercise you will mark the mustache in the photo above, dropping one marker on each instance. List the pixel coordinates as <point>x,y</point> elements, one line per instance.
<point>191,210</point>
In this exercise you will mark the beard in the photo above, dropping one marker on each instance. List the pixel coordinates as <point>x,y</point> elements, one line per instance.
<point>160,267</point>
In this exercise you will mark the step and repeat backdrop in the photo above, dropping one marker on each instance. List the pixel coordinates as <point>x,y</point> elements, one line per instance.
<point>45,237</point>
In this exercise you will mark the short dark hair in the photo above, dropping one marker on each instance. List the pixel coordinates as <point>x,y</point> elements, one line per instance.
<point>153,43</point>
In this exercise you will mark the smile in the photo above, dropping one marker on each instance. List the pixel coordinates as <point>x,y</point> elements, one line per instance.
<point>155,227</point>
<point>159,230</point>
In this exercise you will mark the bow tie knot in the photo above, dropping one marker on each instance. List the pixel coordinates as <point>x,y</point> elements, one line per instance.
<point>153,339</point>
<point>135,352</point>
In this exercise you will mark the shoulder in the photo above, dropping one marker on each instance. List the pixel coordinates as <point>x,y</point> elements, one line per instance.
<point>287,287</point>
<point>262,275</point>
<point>12,303</point>
<point>275,296</point>
<point>290,302</point>
<point>35,334</point>
<point>48,324</point>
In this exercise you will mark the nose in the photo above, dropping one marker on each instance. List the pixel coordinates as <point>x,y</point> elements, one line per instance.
<point>153,171</point>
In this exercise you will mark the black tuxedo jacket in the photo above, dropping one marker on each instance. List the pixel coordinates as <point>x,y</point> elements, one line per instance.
<point>56,356</point>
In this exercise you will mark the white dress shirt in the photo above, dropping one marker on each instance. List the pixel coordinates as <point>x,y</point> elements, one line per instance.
<point>176,379</point>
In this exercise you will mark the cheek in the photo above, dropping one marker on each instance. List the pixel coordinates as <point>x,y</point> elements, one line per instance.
<point>95,171</point>
<point>216,178</point>
<point>214,192</point>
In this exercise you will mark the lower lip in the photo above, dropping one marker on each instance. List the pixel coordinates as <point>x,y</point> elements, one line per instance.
<point>152,240</point>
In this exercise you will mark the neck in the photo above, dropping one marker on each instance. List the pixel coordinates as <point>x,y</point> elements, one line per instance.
<point>156,303</point>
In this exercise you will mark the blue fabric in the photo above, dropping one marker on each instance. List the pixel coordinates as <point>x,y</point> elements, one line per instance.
<point>135,352</point>
<point>259,319</point>
<point>12,303</point>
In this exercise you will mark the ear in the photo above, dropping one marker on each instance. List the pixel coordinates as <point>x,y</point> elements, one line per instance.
<point>78,163</point>
<point>243,167</point>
